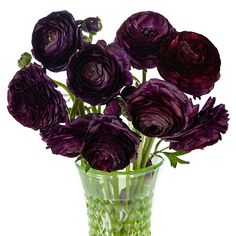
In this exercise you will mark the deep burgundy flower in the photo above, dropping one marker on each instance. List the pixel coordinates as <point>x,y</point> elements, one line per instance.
<point>159,109</point>
<point>55,38</point>
<point>141,35</point>
<point>33,100</point>
<point>109,144</point>
<point>67,140</point>
<point>91,25</point>
<point>191,62</point>
<point>205,129</point>
<point>104,141</point>
<point>97,73</point>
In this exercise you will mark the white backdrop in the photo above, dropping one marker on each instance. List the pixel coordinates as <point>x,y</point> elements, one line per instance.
<point>41,194</point>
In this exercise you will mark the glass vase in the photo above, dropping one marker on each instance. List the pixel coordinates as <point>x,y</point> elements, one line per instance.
<point>119,203</point>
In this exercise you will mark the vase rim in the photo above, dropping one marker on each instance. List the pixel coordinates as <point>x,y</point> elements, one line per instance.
<point>145,170</point>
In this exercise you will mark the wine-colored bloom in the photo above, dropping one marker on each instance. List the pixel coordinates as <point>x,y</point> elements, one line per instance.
<point>109,144</point>
<point>55,38</point>
<point>191,62</point>
<point>67,140</point>
<point>205,129</point>
<point>159,109</point>
<point>141,35</point>
<point>33,100</point>
<point>97,73</point>
<point>104,141</point>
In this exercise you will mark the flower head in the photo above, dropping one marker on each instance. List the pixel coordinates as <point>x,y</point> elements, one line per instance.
<point>159,109</point>
<point>191,62</point>
<point>97,73</point>
<point>205,129</point>
<point>55,38</point>
<point>33,100</point>
<point>141,35</point>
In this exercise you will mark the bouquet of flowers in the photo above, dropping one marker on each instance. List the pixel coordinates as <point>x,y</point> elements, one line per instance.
<point>113,121</point>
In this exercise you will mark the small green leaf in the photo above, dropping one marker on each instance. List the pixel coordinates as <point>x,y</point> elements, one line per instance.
<point>178,153</point>
<point>174,160</point>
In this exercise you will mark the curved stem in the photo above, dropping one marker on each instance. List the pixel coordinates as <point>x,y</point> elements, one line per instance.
<point>74,109</point>
<point>72,97</point>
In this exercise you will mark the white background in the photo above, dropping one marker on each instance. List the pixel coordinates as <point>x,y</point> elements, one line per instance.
<point>41,194</point>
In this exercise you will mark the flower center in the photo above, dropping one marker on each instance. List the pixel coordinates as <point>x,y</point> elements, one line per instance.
<point>147,32</point>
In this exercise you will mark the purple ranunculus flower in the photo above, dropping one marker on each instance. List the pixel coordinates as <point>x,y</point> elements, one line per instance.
<point>205,130</point>
<point>91,25</point>
<point>141,35</point>
<point>191,62</point>
<point>104,141</point>
<point>109,144</point>
<point>97,73</point>
<point>55,38</point>
<point>67,140</point>
<point>159,109</point>
<point>33,100</point>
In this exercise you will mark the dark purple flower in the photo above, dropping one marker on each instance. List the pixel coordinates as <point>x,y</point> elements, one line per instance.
<point>33,100</point>
<point>97,73</point>
<point>113,108</point>
<point>104,141</point>
<point>109,144</point>
<point>67,140</point>
<point>159,109</point>
<point>91,25</point>
<point>191,62</point>
<point>55,38</point>
<point>205,130</point>
<point>141,35</point>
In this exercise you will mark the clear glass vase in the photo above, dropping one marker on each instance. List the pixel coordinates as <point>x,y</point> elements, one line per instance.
<point>119,203</point>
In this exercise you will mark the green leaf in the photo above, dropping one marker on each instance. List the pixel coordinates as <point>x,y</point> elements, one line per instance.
<point>174,160</point>
<point>178,153</point>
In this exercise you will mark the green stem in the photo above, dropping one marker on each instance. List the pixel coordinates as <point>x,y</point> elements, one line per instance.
<point>155,149</point>
<point>163,149</point>
<point>81,108</point>
<point>147,151</point>
<point>72,97</point>
<point>99,108</point>
<point>144,75</point>
<point>74,109</point>
<point>140,151</point>
<point>94,109</point>
<point>127,190</point>
<point>91,37</point>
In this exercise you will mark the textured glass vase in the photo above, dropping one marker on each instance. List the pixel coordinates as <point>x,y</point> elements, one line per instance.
<point>119,203</point>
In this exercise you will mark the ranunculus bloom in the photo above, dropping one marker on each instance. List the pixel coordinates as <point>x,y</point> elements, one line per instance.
<point>191,62</point>
<point>67,140</point>
<point>104,141</point>
<point>55,38</point>
<point>141,35</point>
<point>160,109</point>
<point>33,100</point>
<point>97,73</point>
<point>109,144</point>
<point>205,129</point>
